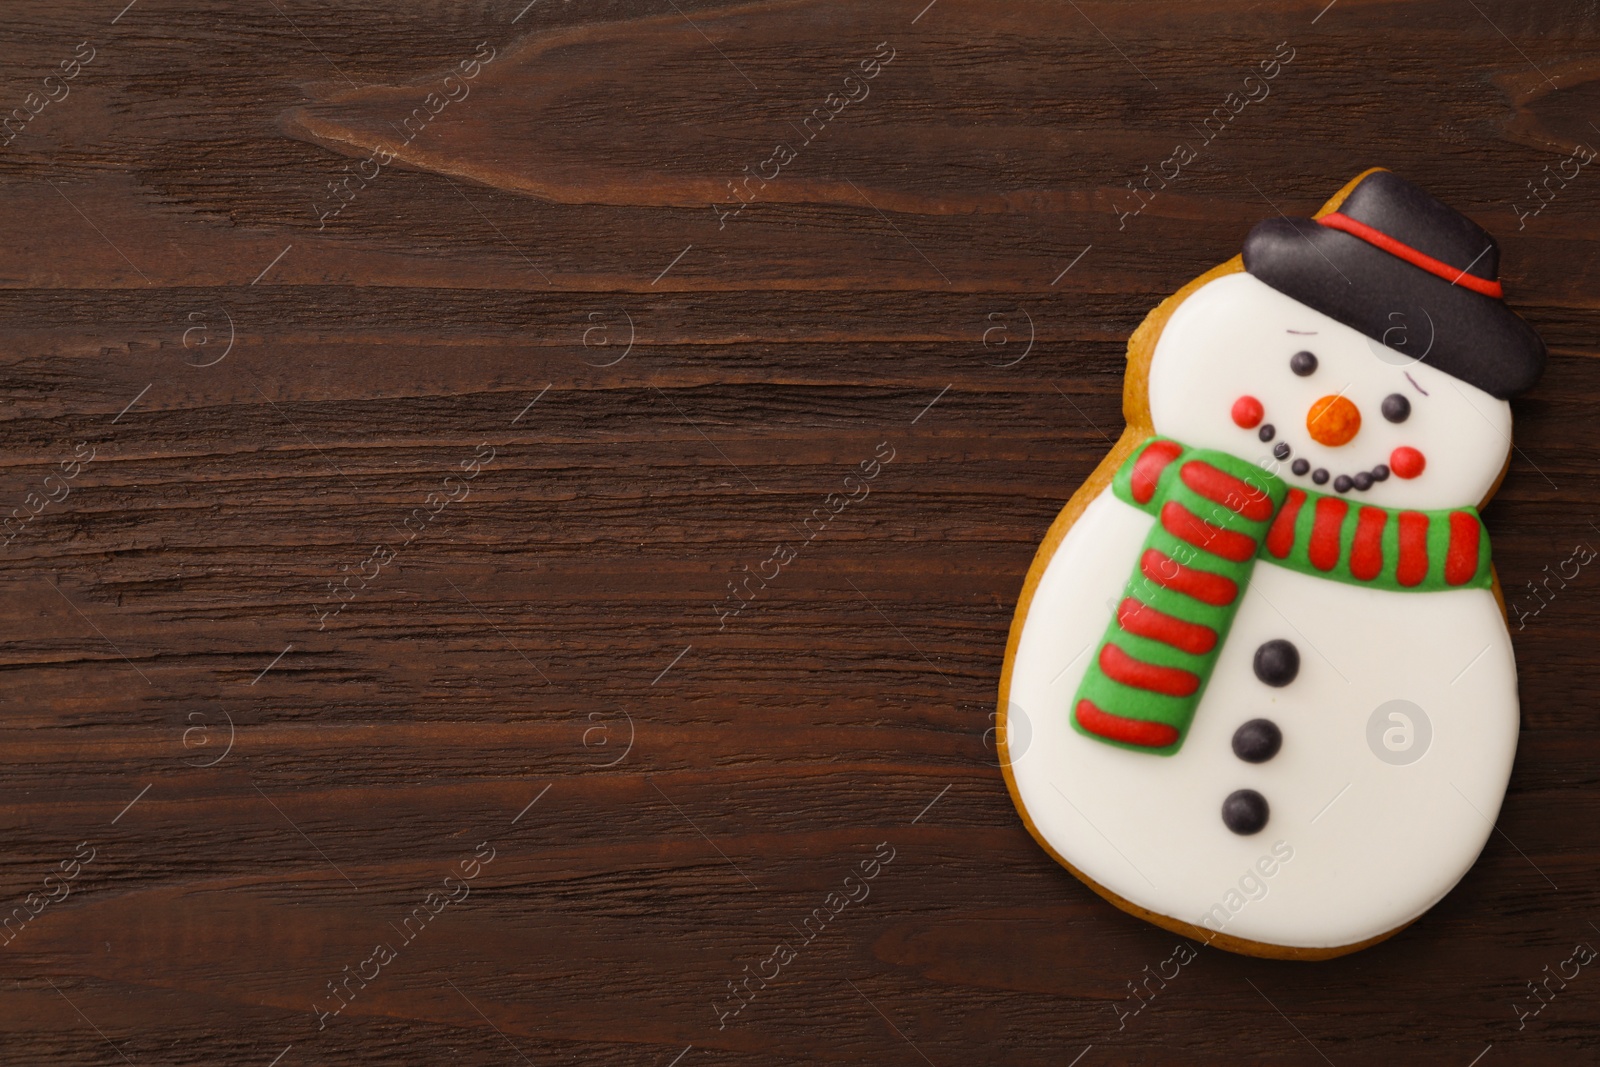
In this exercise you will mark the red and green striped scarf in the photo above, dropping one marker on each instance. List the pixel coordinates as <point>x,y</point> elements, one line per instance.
<point>1216,516</point>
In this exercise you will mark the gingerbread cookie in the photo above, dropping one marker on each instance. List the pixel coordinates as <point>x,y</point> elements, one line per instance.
<point>1259,687</point>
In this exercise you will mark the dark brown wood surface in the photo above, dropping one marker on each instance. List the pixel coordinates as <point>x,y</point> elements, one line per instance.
<point>551,272</point>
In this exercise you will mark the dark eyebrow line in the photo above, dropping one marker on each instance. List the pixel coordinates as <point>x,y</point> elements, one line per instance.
<point>1304,333</point>
<point>1413,381</point>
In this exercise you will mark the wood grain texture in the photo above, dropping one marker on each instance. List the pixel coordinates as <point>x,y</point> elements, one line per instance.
<point>698,385</point>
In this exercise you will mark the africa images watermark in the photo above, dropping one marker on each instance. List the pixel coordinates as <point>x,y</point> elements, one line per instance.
<point>1581,556</point>
<point>856,91</point>
<point>1540,994</point>
<point>35,503</point>
<point>784,554</point>
<point>343,990</point>
<point>1581,155</point>
<point>454,87</point>
<point>1214,124</point>
<point>1183,954</point>
<point>39,99</point>
<point>1251,886</point>
<point>739,991</point>
<point>415,523</point>
<point>35,903</point>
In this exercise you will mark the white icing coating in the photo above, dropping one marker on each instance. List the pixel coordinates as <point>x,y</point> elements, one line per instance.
<point>1362,838</point>
<point>1371,844</point>
<point>1232,338</point>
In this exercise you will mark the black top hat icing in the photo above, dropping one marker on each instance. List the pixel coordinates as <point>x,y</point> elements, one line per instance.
<point>1409,272</point>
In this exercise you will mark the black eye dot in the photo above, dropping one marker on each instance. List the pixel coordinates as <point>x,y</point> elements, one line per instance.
<point>1396,408</point>
<point>1303,364</point>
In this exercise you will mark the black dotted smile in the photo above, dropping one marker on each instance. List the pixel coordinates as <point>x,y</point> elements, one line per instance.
<point>1360,482</point>
<point>1395,407</point>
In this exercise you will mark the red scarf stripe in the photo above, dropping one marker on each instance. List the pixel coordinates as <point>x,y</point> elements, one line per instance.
<point>1219,487</point>
<point>1461,559</point>
<point>1280,539</point>
<point>1148,467</point>
<point>1413,565</point>
<point>1208,588</point>
<point>1142,620</point>
<point>1169,681</point>
<point>1185,525</point>
<point>1366,551</point>
<point>1325,526</point>
<point>1128,731</point>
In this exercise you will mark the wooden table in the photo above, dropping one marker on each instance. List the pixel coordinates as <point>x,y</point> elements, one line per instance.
<point>403,395</point>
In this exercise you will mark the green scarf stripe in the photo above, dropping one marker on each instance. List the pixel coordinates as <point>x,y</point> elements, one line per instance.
<point>1131,702</point>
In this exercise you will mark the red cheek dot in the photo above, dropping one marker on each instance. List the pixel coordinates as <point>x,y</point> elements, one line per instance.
<point>1247,412</point>
<point>1407,462</point>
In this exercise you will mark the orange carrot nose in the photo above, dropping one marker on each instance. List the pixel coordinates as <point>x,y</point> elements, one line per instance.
<point>1333,421</point>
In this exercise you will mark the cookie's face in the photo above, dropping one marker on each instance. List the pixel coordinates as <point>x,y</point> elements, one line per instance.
<point>1244,369</point>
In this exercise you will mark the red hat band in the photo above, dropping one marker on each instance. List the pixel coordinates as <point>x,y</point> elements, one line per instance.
<point>1378,239</point>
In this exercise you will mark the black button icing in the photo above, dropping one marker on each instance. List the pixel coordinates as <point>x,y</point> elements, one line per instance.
<point>1303,363</point>
<point>1342,484</point>
<point>1363,481</point>
<point>1300,466</point>
<point>1245,811</point>
<point>1257,740</point>
<point>1319,476</point>
<point>1266,432</point>
<point>1277,663</point>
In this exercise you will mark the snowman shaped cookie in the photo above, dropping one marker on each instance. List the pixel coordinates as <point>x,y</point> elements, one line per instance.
<point>1259,687</point>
